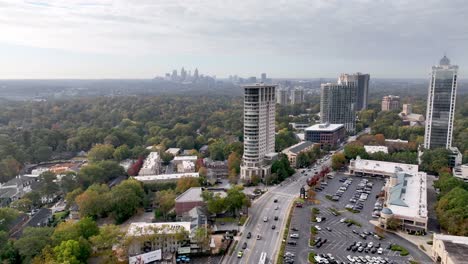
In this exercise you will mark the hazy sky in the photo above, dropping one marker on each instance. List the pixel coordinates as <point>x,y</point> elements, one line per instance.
<point>284,38</point>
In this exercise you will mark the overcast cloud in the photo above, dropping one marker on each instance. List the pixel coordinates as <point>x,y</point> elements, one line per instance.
<point>295,38</point>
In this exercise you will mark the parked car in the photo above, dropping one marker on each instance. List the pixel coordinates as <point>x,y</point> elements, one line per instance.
<point>244,246</point>
<point>249,235</point>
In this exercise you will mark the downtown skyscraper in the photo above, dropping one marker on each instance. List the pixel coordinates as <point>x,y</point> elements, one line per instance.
<point>259,129</point>
<point>338,104</point>
<point>361,81</point>
<point>441,100</point>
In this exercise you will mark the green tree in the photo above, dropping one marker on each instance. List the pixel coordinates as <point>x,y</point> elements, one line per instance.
<point>101,152</point>
<point>354,149</point>
<point>236,199</point>
<point>126,198</point>
<point>9,168</point>
<point>166,201</point>
<point>434,160</point>
<point>72,251</point>
<point>122,152</point>
<point>33,240</point>
<point>166,157</point>
<point>23,205</point>
<point>216,150</point>
<point>84,228</point>
<point>338,161</point>
<point>302,160</point>
<point>108,236</point>
<point>49,187</point>
<point>7,216</point>
<point>69,182</point>
<point>91,173</point>
<point>214,202</point>
<point>95,201</point>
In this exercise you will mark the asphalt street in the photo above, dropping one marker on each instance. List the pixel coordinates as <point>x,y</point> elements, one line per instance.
<point>270,240</point>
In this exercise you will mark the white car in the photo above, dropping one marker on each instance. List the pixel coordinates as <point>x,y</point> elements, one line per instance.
<point>380,250</point>
<point>342,220</point>
<point>265,219</point>
<point>318,227</point>
<point>294,235</point>
<point>350,258</point>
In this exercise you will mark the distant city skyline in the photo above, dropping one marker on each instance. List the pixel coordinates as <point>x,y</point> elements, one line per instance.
<point>295,39</point>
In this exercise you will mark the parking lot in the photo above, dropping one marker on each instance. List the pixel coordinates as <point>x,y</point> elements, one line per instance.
<point>342,235</point>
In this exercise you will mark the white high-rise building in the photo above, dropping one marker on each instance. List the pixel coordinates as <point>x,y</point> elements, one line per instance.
<point>282,96</point>
<point>441,105</point>
<point>297,96</point>
<point>259,129</point>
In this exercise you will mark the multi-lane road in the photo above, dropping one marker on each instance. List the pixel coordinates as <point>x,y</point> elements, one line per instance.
<point>265,206</point>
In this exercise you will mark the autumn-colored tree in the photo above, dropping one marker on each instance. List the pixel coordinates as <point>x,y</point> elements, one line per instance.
<point>232,177</point>
<point>135,168</point>
<point>165,201</point>
<point>186,183</point>
<point>203,172</point>
<point>234,162</point>
<point>380,139</point>
<point>94,201</point>
<point>338,161</point>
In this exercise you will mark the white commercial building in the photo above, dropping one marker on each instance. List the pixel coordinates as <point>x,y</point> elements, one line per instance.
<point>461,172</point>
<point>406,200</point>
<point>173,151</point>
<point>165,177</point>
<point>185,164</point>
<point>449,249</point>
<point>374,149</point>
<point>379,168</point>
<point>297,95</point>
<point>168,237</point>
<point>441,100</point>
<point>152,165</point>
<point>283,97</point>
<point>259,129</point>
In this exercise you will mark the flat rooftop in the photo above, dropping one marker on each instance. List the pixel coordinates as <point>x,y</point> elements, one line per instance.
<point>456,246</point>
<point>324,127</point>
<point>142,228</point>
<point>162,177</point>
<point>384,166</point>
<point>193,158</point>
<point>191,195</point>
<point>297,148</point>
<point>409,196</point>
<point>374,149</point>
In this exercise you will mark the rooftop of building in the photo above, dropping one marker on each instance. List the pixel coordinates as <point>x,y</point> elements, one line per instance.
<point>142,228</point>
<point>254,85</point>
<point>181,158</point>
<point>384,166</point>
<point>456,246</point>
<point>191,195</point>
<point>324,127</point>
<point>173,151</point>
<point>374,149</point>
<point>391,97</point>
<point>162,177</point>
<point>408,197</point>
<point>40,218</point>
<point>299,147</point>
<point>151,160</point>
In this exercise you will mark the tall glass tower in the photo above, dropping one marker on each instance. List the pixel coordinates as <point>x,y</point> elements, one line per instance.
<point>259,129</point>
<point>441,105</point>
<point>338,104</point>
